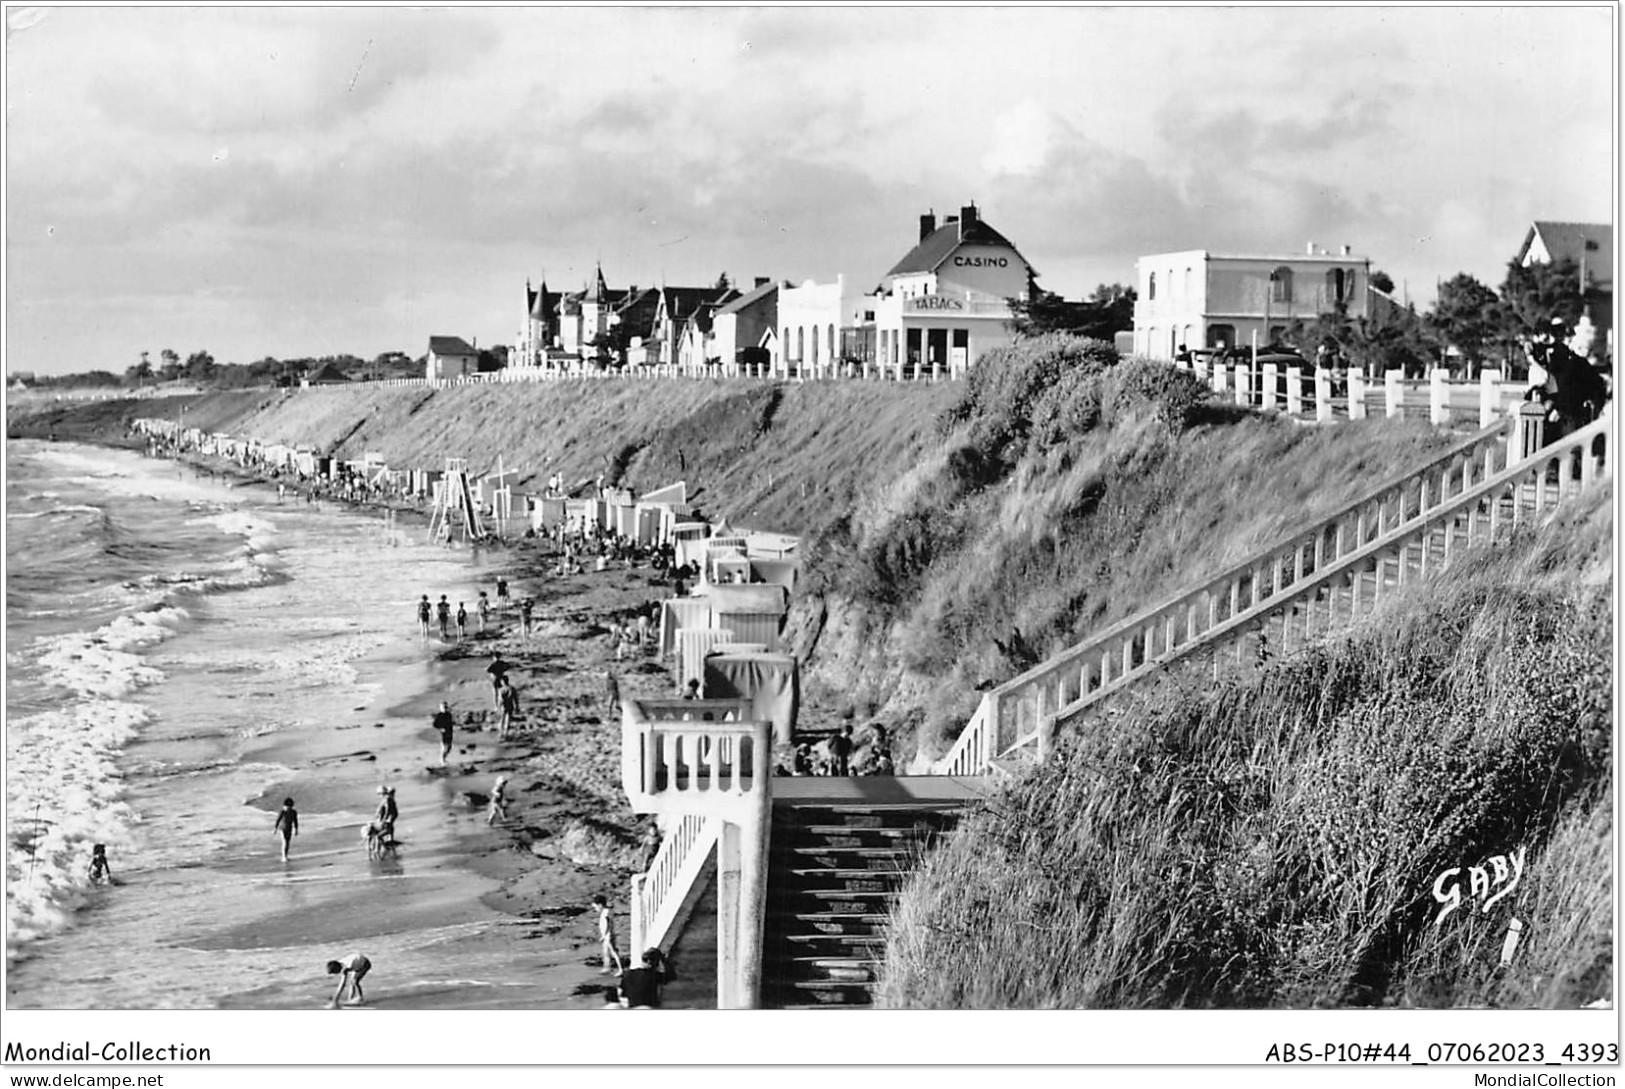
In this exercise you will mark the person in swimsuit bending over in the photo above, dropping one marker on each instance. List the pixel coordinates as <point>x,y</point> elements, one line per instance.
<point>351,970</point>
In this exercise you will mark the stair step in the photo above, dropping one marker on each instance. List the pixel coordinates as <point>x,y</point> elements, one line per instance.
<point>845,939</point>
<point>840,831</point>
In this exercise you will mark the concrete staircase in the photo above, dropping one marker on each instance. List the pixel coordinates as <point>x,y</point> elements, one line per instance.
<point>833,872</point>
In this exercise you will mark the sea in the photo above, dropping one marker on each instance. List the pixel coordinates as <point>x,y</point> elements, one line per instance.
<point>165,629</point>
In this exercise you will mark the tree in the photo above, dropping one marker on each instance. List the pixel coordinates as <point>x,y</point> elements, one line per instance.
<point>1535,294</point>
<point>1391,337</point>
<point>171,364</point>
<point>200,367</point>
<point>1467,316</point>
<point>1382,282</point>
<point>138,373</point>
<point>1109,310</point>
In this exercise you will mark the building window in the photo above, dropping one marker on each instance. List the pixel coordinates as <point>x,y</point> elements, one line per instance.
<point>1187,282</point>
<point>801,343</point>
<point>832,343</point>
<point>1151,287</point>
<point>1281,285</point>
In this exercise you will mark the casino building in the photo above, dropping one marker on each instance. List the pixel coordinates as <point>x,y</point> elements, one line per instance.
<point>933,314</point>
<point>944,303</point>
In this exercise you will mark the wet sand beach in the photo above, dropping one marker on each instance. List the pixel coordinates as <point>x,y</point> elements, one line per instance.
<point>464,915</point>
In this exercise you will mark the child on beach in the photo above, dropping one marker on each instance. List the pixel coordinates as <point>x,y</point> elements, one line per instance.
<point>499,801</point>
<point>445,724</point>
<point>443,611</point>
<point>502,596</point>
<point>99,868</point>
<point>525,609</point>
<point>287,825</point>
<point>351,970</point>
<point>612,686</point>
<point>462,622</point>
<point>484,607</point>
<point>606,937</point>
<point>424,611</point>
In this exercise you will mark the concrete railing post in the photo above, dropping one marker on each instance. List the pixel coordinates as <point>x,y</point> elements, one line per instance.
<point>1323,396</point>
<point>1394,388</point>
<point>1294,391</point>
<point>1266,389</point>
<point>1240,384</point>
<point>1216,377</point>
<point>1438,397</point>
<point>1489,396</point>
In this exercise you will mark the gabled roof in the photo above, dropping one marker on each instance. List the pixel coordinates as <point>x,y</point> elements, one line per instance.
<point>327,373</point>
<point>749,298</point>
<point>637,311</point>
<point>450,346</point>
<point>683,302</point>
<point>1588,244</point>
<point>940,244</point>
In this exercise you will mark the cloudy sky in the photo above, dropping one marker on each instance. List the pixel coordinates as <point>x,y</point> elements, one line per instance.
<point>291,181</point>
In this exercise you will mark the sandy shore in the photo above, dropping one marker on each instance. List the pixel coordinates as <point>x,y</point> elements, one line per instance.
<point>517,894</point>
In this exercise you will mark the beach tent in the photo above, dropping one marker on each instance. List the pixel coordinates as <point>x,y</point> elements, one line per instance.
<point>688,542</point>
<point>678,613</point>
<point>581,514</point>
<point>776,572</point>
<point>755,614</point>
<point>693,645</point>
<point>550,512</point>
<point>624,519</point>
<point>771,682</point>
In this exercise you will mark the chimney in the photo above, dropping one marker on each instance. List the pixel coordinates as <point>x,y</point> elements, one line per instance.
<point>761,281</point>
<point>967,218</point>
<point>928,223</point>
<point>1347,250</point>
<point>1310,249</point>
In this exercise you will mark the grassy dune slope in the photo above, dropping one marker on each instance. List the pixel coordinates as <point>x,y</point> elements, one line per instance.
<point>1065,493</point>
<point>1274,841</point>
<point>791,457</point>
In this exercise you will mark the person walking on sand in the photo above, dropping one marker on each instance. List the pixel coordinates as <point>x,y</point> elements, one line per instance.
<point>351,971</point>
<point>484,608</point>
<point>498,669</point>
<point>612,687</point>
<point>445,725</point>
<point>462,622</point>
<point>606,937</point>
<point>526,608</point>
<point>287,825</point>
<point>508,703</point>
<point>387,812</point>
<point>442,611</point>
<point>502,596</point>
<point>499,801</point>
<point>425,610</point>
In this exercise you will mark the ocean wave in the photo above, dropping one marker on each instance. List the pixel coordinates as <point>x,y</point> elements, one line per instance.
<point>103,663</point>
<point>66,508</point>
<point>62,794</point>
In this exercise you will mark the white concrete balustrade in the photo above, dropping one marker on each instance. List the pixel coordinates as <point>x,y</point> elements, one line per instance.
<point>701,759</point>
<point>663,896</point>
<point>1334,570</point>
